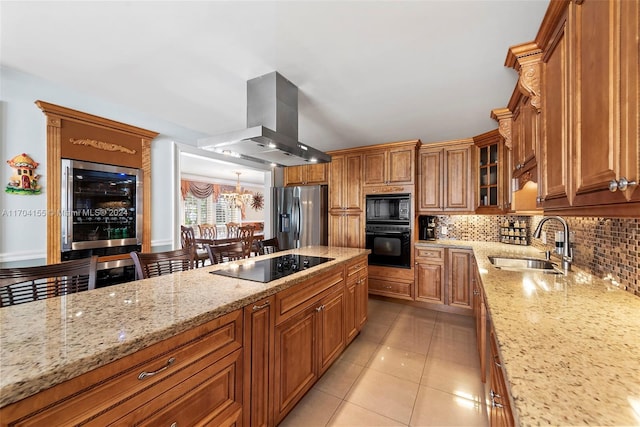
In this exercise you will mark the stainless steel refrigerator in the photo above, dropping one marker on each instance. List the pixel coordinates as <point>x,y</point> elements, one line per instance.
<point>300,216</point>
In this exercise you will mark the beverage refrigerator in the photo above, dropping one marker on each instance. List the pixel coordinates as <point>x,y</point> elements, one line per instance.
<point>300,216</point>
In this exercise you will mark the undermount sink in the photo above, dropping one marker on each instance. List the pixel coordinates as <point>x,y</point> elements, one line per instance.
<point>524,264</point>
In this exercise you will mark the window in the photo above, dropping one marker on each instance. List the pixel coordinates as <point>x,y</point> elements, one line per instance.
<point>207,211</point>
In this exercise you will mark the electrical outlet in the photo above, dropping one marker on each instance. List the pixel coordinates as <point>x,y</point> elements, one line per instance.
<point>444,230</point>
<point>543,237</point>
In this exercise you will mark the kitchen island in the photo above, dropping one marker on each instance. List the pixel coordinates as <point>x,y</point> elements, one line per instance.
<point>569,344</point>
<point>51,342</point>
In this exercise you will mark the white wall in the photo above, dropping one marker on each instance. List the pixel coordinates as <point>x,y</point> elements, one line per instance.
<point>23,129</point>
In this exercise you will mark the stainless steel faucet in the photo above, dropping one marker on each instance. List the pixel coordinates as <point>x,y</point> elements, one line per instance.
<point>567,257</point>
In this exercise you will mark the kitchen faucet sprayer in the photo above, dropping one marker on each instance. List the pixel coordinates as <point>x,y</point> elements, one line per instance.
<point>566,250</point>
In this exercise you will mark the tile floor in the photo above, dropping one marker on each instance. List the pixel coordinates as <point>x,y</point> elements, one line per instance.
<point>408,367</point>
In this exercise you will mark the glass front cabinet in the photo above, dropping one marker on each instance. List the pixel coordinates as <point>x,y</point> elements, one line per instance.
<point>493,183</point>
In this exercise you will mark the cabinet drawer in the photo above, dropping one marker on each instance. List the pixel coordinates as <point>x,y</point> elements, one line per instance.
<point>394,289</point>
<point>432,254</point>
<point>107,393</point>
<point>356,266</point>
<point>211,395</point>
<point>293,300</point>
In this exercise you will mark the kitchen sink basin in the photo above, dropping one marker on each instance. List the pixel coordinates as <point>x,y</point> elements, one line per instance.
<point>524,264</point>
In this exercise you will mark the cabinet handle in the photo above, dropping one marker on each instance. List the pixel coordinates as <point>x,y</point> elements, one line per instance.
<point>621,184</point>
<point>497,362</point>
<point>495,404</point>
<point>174,424</point>
<point>320,308</point>
<point>476,292</point>
<point>145,374</point>
<point>387,287</point>
<point>260,307</point>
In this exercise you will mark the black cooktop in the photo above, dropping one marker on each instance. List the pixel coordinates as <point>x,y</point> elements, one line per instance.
<point>266,270</point>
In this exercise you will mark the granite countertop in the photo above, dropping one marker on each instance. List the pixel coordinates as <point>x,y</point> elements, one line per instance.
<point>569,344</point>
<point>46,342</point>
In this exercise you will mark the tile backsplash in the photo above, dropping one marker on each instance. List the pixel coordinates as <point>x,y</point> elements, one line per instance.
<point>605,247</point>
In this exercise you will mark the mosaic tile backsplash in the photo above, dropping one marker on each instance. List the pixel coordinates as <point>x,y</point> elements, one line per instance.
<point>606,247</point>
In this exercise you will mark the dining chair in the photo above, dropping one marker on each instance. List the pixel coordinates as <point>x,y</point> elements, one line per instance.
<point>154,264</point>
<point>268,246</point>
<point>245,234</point>
<point>232,229</point>
<point>25,284</point>
<point>188,241</point>
<point>223,253</point>
<point>207,231</point>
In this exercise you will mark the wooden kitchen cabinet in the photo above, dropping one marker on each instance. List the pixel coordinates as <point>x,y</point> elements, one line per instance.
<point>446,178</point>
<point>429,272</point>
<point>443,279</point>
<point>493,179</point>
<point>346,216</point>
<point>460,277</point>
<point>391,282</point>
<point>259,322</point>
<point>590,116</point>
<point>309,336</point>
<point>192,378</point>
<point>480,318</point>
<point>311,174</point>
<point>356,297</point>
<point>390,164</point>
<point>501,415</point>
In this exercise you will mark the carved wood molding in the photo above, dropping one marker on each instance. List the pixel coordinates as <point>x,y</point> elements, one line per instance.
<point>526,59</point>
<point>101,145</point>
<point>504,117</point>
<point>529,83</point>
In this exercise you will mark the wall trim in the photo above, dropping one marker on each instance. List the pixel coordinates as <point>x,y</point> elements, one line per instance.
<point>22,256</point>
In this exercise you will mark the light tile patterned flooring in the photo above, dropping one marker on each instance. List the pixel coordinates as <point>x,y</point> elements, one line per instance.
<point>408,367</point>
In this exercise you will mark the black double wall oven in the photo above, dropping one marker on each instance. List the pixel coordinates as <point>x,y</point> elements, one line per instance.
<point>388,229</point>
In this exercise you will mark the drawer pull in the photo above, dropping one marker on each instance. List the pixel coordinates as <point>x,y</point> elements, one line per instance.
<point>320,308</point>
<point>145,374</point>
<point>260,307</point>
<point>497,362</point>
<point>174,424</point>
<point>495,404</point>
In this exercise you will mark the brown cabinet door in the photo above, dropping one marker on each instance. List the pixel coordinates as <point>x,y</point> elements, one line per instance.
<point>596,132</point>
<point>352,182</point>
<point>501,415</point>
<point>316,174</point>
<point>351,308</point>
<point>294,175</point>
<point>458,191</point>
<point>259,319</point>
<point>336,182</point>
<point>556,122</point>
<point>430,185</point>
<point>331,338</point>
<point>374,163</point>
<point>345,229</point>
<point>296,360</point>
<point>460,285</point>
<point>362,298</point>
<point>401,166</point>
<point>336,230</point>
<point>429,283</point>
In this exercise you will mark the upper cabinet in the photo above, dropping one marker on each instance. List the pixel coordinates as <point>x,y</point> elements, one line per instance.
<point>446,182</point>
<point>493,181</point>
<point>390,164</point>
<point>574,117</point>
<point>346,216</point>
<point>311,174</point>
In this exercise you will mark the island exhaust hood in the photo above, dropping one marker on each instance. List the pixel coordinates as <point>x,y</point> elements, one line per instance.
<point>271,136</point>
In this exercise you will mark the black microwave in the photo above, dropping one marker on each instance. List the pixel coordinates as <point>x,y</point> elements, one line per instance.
<point>388,208</point>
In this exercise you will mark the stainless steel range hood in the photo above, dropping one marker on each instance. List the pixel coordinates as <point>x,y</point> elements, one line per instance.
<point>272,127</point>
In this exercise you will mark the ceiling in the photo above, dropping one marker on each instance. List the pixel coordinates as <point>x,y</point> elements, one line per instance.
<point>368,72</point>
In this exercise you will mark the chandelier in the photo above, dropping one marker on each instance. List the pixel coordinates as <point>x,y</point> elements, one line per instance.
<point>237,197</point>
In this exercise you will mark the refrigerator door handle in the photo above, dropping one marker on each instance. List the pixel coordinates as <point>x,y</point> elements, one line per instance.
<point>298,210</point>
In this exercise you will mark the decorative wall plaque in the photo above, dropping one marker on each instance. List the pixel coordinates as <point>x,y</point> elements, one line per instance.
<point>24,179</point>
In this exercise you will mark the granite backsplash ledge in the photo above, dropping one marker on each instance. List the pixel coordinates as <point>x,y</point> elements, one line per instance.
<point>605,247</point>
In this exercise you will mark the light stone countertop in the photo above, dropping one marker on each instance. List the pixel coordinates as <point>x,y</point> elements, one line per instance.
<point>44,343</point>
<point>569,344</point>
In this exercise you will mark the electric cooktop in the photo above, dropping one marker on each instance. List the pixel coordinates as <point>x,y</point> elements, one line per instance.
<point>266,270</point>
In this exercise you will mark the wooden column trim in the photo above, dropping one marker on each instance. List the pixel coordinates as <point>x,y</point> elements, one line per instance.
<point>56,118</point>
<point>504,117</point>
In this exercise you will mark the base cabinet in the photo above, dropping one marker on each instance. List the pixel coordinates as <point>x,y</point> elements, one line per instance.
<point>443,278</point>
<point>391,282</point>
<point>501,415</point>
<point>200,369</point>
<point>309,336</point>
<point>259,321</point>
<point>356,298</point>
